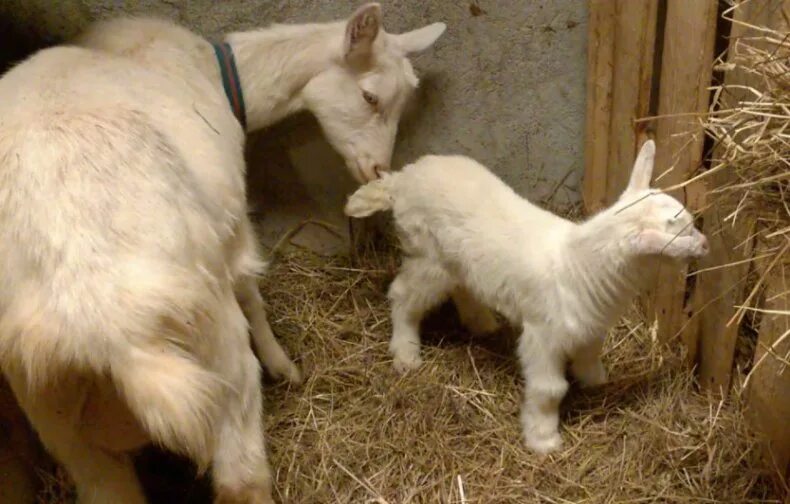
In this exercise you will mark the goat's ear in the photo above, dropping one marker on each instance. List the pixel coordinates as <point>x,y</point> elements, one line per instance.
<point>420,39</point>
<point>643,168</point>
<point>361,31</point>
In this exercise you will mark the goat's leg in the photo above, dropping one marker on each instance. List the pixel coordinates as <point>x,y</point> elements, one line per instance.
<point>269,350</point>
<point>420,285</point>
<point>544,373</point>
<point>240,468</point>
<point>100,476</point>
<point>474,315</point>
<point>586,364</point>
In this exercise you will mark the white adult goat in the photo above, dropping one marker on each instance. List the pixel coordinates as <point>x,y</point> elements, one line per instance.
<point>467,234</point>
<point>127,259</point>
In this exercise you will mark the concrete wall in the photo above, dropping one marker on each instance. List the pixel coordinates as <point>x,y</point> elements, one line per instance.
<point>505,84</point>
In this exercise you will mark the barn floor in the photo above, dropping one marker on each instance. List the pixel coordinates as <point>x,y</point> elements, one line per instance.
<point>355,431</point>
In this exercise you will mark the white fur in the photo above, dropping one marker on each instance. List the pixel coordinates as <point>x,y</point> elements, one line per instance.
<point>127,259</point>
<point>287,68</point>
<point>468,235</point>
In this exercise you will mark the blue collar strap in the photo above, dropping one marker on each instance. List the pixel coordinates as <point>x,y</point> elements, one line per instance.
<point>231,81</point>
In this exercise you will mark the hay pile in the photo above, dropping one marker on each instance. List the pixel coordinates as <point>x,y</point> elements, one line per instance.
<point>749,123</point>
<point>358,432</point>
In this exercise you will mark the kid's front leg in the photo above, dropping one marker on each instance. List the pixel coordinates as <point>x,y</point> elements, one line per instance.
<point>543,366</point>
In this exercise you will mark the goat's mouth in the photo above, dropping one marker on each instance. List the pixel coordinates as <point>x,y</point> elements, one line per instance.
<point>365,172</point>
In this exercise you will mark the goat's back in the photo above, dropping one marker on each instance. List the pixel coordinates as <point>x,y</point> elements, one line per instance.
<point>117,213</point>
<point>463,203</point>
<point>501,245</point>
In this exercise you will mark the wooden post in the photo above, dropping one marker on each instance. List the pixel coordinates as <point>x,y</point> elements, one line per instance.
<point>621,44</point>
<point>635,36</point>
<point>720,290</point>
<point>768,393</point>
<point>687,62</point>
<point>600,63</point>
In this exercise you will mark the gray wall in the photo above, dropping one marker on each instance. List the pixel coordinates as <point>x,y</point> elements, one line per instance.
<point>504,84</point>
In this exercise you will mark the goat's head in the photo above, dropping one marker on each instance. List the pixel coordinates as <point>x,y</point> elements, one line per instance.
<point>660,224</point>
<point>359,99</point>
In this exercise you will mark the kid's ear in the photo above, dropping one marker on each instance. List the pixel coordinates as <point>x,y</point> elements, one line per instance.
<point>642,171</point>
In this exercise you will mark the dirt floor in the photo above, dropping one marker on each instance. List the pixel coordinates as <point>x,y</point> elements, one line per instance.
<point>357,432</point>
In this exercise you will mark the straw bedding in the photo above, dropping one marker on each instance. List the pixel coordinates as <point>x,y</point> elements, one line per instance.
<point>749,123</point>
<point>356,432</point>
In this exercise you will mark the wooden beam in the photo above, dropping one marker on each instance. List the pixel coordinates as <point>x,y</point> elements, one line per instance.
<point>720,289</point>
<point>635,36</point>
<point>687,62</point>
<point>768,392</point>
<point>600,64</point>
<point>621,45</point>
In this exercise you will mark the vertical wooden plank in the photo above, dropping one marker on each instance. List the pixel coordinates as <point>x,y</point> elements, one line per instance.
<point>687,62</point>
<point>600,64</point>
<point>768,393</point>
<point>635,35</point>
<point>619,76</point>
<point>720,290</point>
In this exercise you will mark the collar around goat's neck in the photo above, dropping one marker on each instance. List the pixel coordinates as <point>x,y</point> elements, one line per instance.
<point>230,81</point>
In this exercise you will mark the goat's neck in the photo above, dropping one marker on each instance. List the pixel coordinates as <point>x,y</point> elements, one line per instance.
<point>275,63</point>
<point>607,276</point>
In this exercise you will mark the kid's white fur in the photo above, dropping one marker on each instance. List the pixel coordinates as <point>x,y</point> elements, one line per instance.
<point>467,235</point>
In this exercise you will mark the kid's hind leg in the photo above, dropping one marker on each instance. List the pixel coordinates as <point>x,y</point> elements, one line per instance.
<point>420,285</point>
<point>474,315</point>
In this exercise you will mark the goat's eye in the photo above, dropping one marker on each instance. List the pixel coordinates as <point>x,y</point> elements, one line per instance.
<point>370,98</point>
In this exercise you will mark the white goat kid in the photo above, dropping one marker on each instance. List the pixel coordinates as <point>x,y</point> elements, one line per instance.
<point>127,259</point>
<point>468,235</point>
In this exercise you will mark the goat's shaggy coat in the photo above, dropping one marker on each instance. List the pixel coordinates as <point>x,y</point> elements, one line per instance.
<point>127,259</point>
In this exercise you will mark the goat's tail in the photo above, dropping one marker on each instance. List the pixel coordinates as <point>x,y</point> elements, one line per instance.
<point>375,196</point>
<point>175,399</point>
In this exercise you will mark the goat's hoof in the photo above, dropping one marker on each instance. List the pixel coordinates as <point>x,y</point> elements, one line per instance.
<point>404,364</point>
<point>292,374</point>
<point>544,444</point>
<point>286,371</point>
<point>248,495</point>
